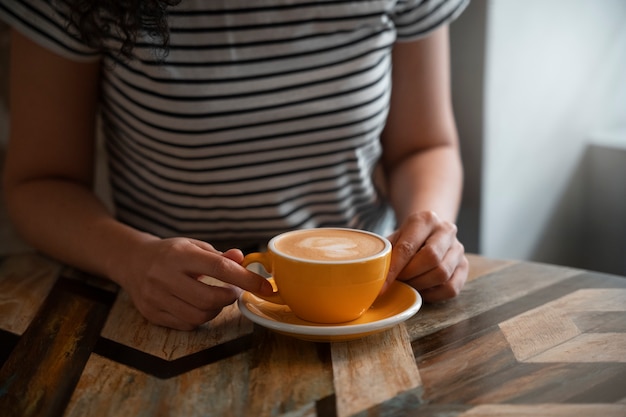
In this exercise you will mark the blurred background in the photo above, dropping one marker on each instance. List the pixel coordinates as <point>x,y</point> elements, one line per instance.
<point>540,99</point>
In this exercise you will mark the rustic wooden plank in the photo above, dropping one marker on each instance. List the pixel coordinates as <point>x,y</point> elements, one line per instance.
<point>600,321</point>
<point>127,326</point>
<point>110,389</point>
<point>432,334</point>
<point>420,410</point>
<point>408,403</point>
<point>107,388</point>
<point>534,383</point>
<point>486,293</point>
<point>549,333</point>
<point>41,372</point>
<point>537,331</point>
<point>308,410</point>
<point>25,282</point>
<point>326,406</point>
<point>609,389</point>
<point>8,341</point>
<point>590,347</point>
<point>593,299</point>
<point>278,375</point>
<point>480,265</point>
<point>531,384</point>
<point>462,365</point>
<point>372,370</point>
<point>547,410</point>
<point>499,381</point>
<point>286,375</point>
<point>514,382</point>
<point>164,369</point>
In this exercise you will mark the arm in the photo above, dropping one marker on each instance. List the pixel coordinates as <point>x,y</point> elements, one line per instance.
<point>48,186</point>
<point>423,168</point>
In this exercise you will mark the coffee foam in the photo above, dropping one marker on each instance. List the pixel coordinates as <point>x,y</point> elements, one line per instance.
<point>330,245</point>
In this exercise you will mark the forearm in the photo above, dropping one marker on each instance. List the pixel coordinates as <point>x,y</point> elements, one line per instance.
<point>67,221</point>
<point>429,180</point>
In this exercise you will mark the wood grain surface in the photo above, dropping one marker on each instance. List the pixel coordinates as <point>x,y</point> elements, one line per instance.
<point>364,375</point>
<point>46,363</point>
<point>25,282</point>
<point>523,339</point>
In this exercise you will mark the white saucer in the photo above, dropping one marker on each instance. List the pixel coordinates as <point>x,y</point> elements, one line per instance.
<point>396,305</point>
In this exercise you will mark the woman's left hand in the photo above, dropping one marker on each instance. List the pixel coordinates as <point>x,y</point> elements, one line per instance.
<point>428,256</point>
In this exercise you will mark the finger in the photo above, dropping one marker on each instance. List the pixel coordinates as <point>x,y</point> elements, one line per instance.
<point>226,270</point>
<point>192,314</point>
<point>451,288</point>
<point>235,255</point>
<point>405,244</point>
<point>204,245</point>
<point>200,295</point>
<point>431,254</point>
<point>393,238</point>
<point>442,271</point>
<point>401,254</point>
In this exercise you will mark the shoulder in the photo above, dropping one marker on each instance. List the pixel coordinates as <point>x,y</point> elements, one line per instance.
<point>46,23</point>
<point>415,19</point>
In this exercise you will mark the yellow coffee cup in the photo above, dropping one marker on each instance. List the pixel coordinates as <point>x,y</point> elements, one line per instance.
<point>326,275</point>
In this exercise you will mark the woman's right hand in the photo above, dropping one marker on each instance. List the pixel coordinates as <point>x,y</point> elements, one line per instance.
<point>162,279</point>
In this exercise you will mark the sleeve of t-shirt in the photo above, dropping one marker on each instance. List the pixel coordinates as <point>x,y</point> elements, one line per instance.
<point>45,23</point>
<point>415,19</point>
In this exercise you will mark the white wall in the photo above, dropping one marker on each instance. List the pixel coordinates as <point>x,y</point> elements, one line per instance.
<point>467,41</point>
<point>555,71</point>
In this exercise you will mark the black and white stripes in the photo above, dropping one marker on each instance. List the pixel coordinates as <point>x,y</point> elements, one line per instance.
<point>264,116</point>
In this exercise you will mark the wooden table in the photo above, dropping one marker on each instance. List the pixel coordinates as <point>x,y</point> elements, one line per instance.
<point>523,339</point>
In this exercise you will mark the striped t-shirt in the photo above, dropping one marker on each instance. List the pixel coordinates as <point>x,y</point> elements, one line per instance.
<point>264,116</point>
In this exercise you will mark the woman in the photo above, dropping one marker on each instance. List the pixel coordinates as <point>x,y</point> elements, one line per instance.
<point>227,122</point>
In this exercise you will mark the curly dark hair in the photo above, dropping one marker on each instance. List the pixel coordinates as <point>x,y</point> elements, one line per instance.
<point>96,20</point>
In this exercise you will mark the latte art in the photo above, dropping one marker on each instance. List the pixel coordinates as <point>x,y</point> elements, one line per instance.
<point>333,245</point>
<point>335,248</point>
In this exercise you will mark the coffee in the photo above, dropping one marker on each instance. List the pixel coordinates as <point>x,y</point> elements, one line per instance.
<point>329,244</point>
<point>325,275</point>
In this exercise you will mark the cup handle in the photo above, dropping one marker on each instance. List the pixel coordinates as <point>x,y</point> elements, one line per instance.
<point>263,259</point>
